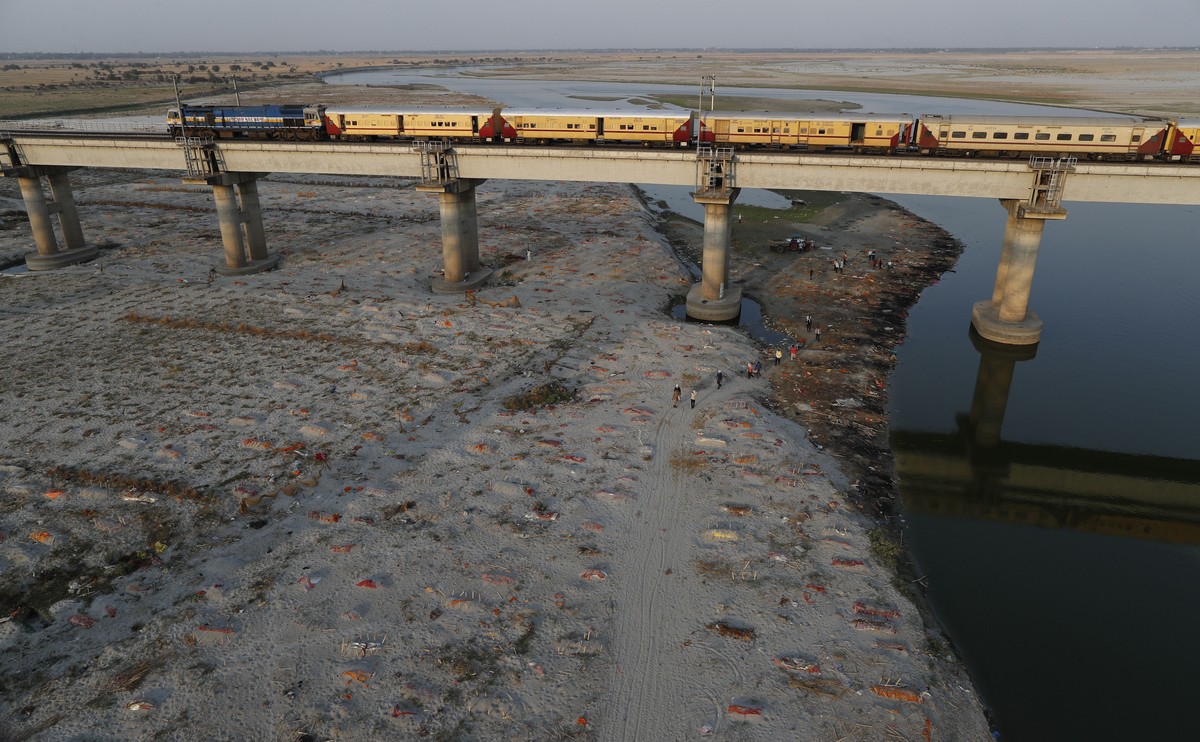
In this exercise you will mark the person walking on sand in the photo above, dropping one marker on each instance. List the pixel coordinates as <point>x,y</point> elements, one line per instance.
<point>808,323</point>
<point>720,378</point>
<point>749,369</point>
<point>778,356</point>
<point>818,335</point>
<point>676,393</point>
<point>793,350</point>
<point>693,399</point>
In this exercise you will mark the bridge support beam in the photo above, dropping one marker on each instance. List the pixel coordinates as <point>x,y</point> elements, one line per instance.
<point>49,254</point>
<point>1006,317</point>
<point>712,299</point>
<point>240,216</point>
<point>461,269</point>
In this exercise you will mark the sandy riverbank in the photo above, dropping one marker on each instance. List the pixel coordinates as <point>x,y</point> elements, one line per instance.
<point>312,502</point>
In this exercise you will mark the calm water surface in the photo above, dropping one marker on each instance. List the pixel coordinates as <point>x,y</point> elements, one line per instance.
<point>1062,554</point>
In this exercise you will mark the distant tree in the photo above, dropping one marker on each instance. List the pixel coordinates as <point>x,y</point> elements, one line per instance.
<point>235,68</point>
<point>216,68</point>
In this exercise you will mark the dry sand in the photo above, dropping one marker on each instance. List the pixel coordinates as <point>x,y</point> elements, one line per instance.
<point>296,506</point>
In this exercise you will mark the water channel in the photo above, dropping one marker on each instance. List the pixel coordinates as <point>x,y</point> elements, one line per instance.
<point>1059,530</point>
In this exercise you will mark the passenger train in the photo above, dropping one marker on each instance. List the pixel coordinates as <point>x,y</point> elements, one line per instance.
<point>1123,138</point>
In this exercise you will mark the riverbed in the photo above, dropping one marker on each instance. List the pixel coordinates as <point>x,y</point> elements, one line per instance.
<point>1063,590</point>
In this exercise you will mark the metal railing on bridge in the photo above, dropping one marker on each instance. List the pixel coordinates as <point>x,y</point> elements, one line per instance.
<point>83,126</point>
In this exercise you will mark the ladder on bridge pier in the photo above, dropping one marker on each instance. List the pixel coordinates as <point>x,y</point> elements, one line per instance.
<point>1050,175</point>
<point>11,159</point>
<point>714,171</point>
<point>439,163</point>
<point>202,156</point>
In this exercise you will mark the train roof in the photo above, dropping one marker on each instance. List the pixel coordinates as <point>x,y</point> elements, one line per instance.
<point>599,112</point>
<point>810,116</point>
<point>1027,120</point>
<point>403,110</point>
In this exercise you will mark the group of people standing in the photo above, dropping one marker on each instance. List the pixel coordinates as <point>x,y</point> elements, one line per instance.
<point>677,394</point>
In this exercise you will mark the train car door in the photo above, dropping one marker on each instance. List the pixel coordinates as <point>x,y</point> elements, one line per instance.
<point>858,133</point>
<point>720,128</point>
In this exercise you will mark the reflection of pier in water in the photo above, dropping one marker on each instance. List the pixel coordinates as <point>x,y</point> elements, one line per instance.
<point>975,474</point>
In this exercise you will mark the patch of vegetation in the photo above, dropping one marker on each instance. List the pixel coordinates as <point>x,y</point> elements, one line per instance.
<point>885,548</point>
<point>540,396</point>
<point>688,463</point>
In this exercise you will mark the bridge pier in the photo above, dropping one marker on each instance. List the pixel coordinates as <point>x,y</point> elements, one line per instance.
<point>240,216</point>
<point>1006,317</point>
<point>461,269</point>
<point>712,300</point>
<point>62,203</point>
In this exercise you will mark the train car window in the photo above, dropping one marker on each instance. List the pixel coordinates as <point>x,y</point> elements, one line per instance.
<point>645,127</point>
<point>1135,138</point>
<point>804,130</point>
<point>1064,137</point>
<point>741,130</point>
<point>958,135</point>
<point>979,135</point>
<point>591,126</point>
<point>787,130</point>
<point>1021,135</point>
<point>1086,137</point>
<point>820,131</point>
<point>1041,136</point>
<point>1000,135</point>
<point>1108,137</point>
<point>774,129</point>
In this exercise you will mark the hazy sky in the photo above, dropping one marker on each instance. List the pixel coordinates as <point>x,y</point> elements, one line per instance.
<point>416,25</point>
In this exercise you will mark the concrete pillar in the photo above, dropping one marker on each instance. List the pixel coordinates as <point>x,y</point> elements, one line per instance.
<point>1010,228</point>
<point>230,219</point>
<point>239,214</point>
<point>256,238</point>
<point>68,216</point>
<point>39,214</point>
<point>1006,317</point>
<point>461,268</point>
<point>49,255</point>
<point>713,299</point>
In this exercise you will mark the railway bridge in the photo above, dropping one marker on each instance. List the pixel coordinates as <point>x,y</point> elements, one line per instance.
<point>1031,191</point>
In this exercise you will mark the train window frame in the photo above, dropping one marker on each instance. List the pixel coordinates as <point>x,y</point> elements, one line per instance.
<point>1108,137</point>
<point>1136,138</point>
<point>958,135</point>
<point>979,135</point>
<point>1000,135</point>
<point>1087,137</point>
<point>1063,137</point>
<point>820,131</point>
<point>1042,136</point>
<point>1021,135</point>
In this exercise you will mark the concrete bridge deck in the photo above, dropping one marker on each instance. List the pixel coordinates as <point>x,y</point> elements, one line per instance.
<point>1148,182</point>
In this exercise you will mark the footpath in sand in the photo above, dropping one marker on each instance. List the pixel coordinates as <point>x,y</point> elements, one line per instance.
<point>324,503</point>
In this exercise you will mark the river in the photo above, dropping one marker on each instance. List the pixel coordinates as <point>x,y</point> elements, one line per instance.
<point>1058,520</point>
